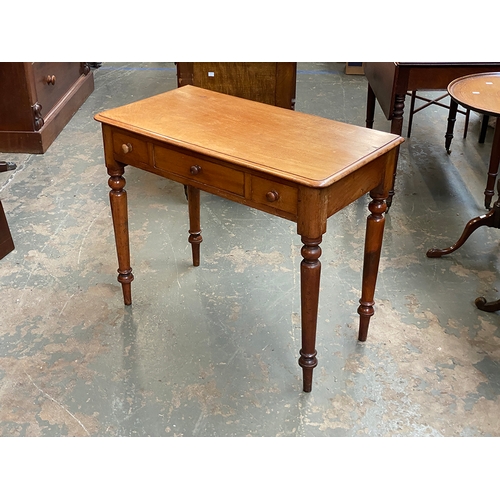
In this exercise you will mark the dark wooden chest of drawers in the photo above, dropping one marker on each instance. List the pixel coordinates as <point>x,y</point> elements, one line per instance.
<point>37,99</point>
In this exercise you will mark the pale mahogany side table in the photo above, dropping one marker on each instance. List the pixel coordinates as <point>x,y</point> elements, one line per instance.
<point>299,167</point>
<point>480,93</point>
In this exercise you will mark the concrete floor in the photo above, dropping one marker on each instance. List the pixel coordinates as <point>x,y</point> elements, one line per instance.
<point>212,351</point>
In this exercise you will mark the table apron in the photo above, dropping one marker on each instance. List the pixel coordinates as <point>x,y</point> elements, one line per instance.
<point>309,206</point>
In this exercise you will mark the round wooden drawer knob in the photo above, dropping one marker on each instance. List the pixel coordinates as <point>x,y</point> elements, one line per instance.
<point>127,148</point>
<point>195,170</point>
<point>51,79</point>
<point>272,196</point>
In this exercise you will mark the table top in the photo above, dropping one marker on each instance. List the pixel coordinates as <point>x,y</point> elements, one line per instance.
<point>479,92</point>
<point>306,149</point>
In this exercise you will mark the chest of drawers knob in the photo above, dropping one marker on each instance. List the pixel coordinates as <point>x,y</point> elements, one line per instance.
<point>195,170</point>
<point>127,148</point>
<point>272,196</point>
<point>51,80</point>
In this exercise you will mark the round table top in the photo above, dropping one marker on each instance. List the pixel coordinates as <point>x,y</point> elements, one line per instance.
<point>479,92</point>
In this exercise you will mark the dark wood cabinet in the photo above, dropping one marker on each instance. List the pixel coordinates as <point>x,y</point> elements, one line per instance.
<point>269,82</point>
<point>37,99</point>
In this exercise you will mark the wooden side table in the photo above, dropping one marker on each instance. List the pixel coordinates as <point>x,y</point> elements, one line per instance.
<point>298,167</point>
<point>480,93</point>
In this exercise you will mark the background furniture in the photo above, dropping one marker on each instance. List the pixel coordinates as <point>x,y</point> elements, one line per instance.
<point>479,93</point>
<point>428,102</point>
<point>6,242</point>
<point>270,82</point>
<point>389,82</point>
<point>37,100</point>
<point>270,159</point>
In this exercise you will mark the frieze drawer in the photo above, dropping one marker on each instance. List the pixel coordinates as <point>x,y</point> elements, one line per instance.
<point>274,194</point>
<point>200,171</point>
<point>130,149</point>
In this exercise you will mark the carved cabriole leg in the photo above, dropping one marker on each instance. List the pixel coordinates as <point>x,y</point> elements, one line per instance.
<point>310,272</point>
<point>119,212</point>
<point>195,238</point>
<point>373,245</point>
<point>396,128</point>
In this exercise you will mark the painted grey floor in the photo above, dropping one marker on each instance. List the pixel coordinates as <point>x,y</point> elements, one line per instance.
<point>212,351</point>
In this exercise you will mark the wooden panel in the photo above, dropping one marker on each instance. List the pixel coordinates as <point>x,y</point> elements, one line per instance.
<point>381,77</point>
<point>15,111</point>
<point>270,82</point>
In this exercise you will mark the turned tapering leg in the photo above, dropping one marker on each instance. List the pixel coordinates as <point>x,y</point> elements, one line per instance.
<point>310,272</point>
<point>119,212</point>
<point>195,238</point>
<point>396,128</point>
<point>373,246</point>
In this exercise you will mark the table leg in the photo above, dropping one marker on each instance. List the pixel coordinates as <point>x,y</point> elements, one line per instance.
<point>193,195</point>
<point>412,112</point>
<point>452,118</point>
<point>310,272</point>
<point>491,219</point>
<point>370,107</point>
<point>119,212</point>
<point>484,129</point>
<point>493,168</point>
<point>373,246</point>
<point>396,128</point>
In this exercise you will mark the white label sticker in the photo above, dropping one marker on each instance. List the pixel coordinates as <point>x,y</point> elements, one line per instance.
<point>211,73</point>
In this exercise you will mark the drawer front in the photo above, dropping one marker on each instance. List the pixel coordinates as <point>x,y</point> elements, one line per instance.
<point>273,194</point>
<point>130,149</point>
<point>53,81</point>
<point>200,171</point>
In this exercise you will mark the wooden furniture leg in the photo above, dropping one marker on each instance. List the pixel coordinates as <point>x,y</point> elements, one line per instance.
<point>488,220</point>
<point>396,128</point>
<point>310,271</point>
<point>373,246</point>
<point>484,128</point>
<point>491,219</point>
<point>370,107</point>
<point>6,241</point>
<point>482,304</point>
<point>7,165</point>
<point>452,118</point>
<point>493,167</point>
<point>195,238</point>
<point>119,213</point>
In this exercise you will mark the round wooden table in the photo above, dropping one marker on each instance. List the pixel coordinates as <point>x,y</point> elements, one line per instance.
<point>480,93</point>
